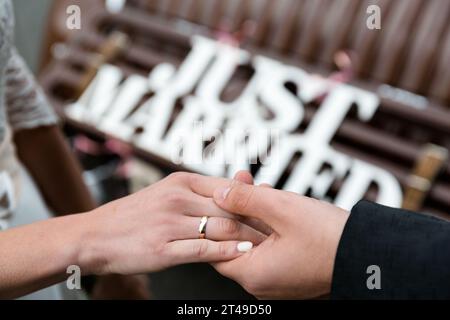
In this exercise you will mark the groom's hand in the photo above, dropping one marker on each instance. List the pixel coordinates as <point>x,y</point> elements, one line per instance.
<point>297,259</point>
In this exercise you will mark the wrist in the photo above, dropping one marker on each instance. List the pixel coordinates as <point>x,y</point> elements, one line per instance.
<point>91,255</point>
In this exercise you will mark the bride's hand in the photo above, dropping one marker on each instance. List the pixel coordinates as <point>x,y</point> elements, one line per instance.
<point>158,227</point>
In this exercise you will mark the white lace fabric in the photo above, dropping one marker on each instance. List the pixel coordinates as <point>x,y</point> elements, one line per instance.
<point>22,106</point>
<point>22,102</point>
<point>25,102</point>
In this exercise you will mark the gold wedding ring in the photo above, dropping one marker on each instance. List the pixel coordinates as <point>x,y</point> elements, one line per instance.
<point>202,227</point>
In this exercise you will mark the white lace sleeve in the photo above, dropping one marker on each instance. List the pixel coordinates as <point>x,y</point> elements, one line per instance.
<point>26,104</point>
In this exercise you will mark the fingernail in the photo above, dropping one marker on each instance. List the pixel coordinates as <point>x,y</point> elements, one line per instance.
<point>224,193</point>
<point>244,246</point>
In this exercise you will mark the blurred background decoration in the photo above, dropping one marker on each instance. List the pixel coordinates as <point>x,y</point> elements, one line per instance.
<point>406,64</point>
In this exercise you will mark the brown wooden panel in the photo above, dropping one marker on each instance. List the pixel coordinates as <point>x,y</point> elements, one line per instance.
<point>426,45</point>
<point>308,37</point>
<point>335,29</point>
<point>440,85</point>
<point>363,40</point>
<point>394,38</point>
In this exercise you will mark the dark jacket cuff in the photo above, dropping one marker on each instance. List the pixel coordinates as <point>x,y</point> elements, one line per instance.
<point>412,252</point>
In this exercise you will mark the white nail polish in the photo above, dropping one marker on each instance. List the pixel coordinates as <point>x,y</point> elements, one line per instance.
<point>244,246</point>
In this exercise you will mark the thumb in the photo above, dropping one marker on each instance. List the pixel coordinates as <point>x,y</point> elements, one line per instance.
<point>244,177</point>
<point>251,201</point>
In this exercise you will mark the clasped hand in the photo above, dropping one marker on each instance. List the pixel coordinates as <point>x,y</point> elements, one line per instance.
<point>275,244</point>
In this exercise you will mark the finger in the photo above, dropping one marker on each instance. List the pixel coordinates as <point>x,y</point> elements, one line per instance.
<point>202,250</point>
<point>201,184</point>
<point>266,185</point>
<point>203,206</point>
<point>207,207</point>
<point>244,177</point>
<point>205,186</point>
<point>219,229</point>
<point>257,225</point>
<point>247,178</point>
<point>255,202</point>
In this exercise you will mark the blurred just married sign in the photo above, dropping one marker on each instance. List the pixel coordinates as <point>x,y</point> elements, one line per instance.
<point>179,114</point>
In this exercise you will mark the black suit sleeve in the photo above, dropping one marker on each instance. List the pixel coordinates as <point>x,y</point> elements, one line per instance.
<point>411,250</point>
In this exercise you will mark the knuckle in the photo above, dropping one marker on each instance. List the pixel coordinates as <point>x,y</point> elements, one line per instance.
<point>224,250</point>
<point>229,226</point>
<point>178,176</point>
<point>175,199</point>
<point>192,178</point>
<point>239,197</point>
<point>201,249</point>
<point>161,250</point>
